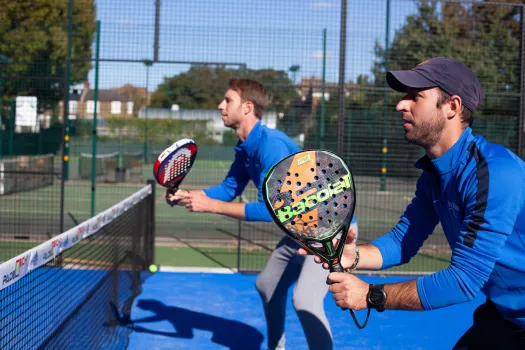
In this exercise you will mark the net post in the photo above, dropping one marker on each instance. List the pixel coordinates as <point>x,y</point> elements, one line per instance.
<point>150,234</point>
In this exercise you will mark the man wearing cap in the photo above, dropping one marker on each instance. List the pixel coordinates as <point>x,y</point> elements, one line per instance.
<point>475,189</point>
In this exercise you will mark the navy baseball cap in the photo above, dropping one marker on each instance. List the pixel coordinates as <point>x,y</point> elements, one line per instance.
<point>450,75</point>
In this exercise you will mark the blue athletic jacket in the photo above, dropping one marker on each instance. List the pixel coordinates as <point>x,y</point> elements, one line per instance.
<point>263,148</point>
<point>476,190</point>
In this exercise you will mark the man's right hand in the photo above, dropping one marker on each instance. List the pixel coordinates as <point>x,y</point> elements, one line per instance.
<point>348,256</point>
<point>173,197</point>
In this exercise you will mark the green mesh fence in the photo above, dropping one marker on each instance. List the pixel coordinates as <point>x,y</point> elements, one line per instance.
<point>163,68</point>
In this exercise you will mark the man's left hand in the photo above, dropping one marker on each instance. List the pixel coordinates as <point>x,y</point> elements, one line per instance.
<point>198,202</point>
<point>348,291</point>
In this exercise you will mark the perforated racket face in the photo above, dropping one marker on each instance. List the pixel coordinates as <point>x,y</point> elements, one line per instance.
<point>174,163</point>
<point>311,195</point>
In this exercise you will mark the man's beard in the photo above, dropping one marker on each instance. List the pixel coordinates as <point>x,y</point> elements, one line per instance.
<point>426,134</point>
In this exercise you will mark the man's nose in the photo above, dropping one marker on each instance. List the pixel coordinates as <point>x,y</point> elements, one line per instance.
<point>402,105</point>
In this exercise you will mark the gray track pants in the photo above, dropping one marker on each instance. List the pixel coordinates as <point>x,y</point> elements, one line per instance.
<point>284,268</point>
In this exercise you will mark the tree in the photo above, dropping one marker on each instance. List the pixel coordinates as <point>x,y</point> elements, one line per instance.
<point>203,87</point>
<point>33,37</point>
<point>483,36</point>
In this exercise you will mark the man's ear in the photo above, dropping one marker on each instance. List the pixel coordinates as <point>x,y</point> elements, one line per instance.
<point>248,107</point>
<point>455,106</point>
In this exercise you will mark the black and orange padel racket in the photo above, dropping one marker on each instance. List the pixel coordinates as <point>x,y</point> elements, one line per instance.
<point>311,197</point>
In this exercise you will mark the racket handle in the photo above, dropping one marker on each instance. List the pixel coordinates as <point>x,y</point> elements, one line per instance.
<point>170,191</point>
<point>337,267</point>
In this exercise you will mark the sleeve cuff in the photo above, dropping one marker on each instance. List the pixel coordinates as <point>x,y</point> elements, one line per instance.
<point>214,192</point>
<point>389,251</point>
<point>422,295</point>
<point>256,211</point>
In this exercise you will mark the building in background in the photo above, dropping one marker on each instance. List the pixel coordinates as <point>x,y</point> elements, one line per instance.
<point>215,128</point>
<point>111,103</point>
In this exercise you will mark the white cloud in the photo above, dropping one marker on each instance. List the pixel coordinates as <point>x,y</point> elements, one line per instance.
<point>324,4</point>
<point>319,55</point>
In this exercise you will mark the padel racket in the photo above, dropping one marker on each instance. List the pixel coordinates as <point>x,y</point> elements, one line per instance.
<point>311,197</point>
<point>174,164</point>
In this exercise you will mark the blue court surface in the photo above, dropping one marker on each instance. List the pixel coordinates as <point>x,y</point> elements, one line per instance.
<point>223,311</point>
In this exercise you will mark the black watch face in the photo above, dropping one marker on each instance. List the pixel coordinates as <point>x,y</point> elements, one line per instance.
<point>376,297</point>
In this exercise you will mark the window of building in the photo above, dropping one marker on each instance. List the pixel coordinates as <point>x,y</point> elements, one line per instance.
<point>73,107</point>
<point>115,107</point>
<point>90,107</point>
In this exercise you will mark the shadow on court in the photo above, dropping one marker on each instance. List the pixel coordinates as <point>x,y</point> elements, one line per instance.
<point>229,333</point>
<point>197,311</point>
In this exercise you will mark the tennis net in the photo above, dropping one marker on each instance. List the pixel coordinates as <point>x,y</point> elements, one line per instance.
<point>23,173</point>
<point>59,295</point>
<point>106,165</point>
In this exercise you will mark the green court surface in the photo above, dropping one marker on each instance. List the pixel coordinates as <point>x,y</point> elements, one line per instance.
<point>37,213</point>
<point>213,257</point>
<point>207,257</point>
<point>204,173</point>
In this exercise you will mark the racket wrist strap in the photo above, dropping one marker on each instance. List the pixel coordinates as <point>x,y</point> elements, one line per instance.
<point>360,326</point>
<point>356,261</point>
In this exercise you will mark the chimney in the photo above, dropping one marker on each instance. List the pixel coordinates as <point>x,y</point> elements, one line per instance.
<point>84,91</point>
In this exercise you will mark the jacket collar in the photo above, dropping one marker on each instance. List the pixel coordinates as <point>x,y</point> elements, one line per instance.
<point>451,159</point>
<point>250,145</point>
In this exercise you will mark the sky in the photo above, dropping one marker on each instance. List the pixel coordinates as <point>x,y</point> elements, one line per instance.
<point>261,34</point>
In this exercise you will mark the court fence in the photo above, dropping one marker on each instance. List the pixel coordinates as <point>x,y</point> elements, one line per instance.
<point>136,76</point>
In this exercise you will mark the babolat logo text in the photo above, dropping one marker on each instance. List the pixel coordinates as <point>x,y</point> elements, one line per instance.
<point>303,160</point>
<point>288,212</point>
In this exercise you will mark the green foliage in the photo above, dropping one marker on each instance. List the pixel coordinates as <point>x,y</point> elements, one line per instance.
<point>484,37</point>
<point>33,37</point>
<point>203,87</point>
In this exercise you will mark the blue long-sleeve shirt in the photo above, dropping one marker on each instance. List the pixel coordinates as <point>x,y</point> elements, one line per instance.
<point>476,190</point>
<point>254,157</point>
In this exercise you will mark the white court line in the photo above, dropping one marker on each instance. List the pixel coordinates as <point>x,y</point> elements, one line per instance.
<point>30,212</point>
<point>221,270</point>
<point>387,273</point>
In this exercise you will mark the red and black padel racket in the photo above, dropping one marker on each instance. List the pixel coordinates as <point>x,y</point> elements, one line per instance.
<point>174,164</point>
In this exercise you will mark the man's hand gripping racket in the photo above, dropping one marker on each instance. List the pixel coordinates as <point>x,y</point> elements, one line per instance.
<point>173,165</point>
<point>311,197</point>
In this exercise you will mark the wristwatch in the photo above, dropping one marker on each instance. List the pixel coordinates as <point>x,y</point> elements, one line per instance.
<point>376,297</point>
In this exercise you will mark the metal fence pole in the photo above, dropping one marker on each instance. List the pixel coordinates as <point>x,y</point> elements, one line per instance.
<point>148,64</point>
<point>94,136</point>
<point>65,111</point>
<point>384,148</point>
<point>323,82</point>
<point>239,239</point>
<point>341,102</point>
<point>521,122</point>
